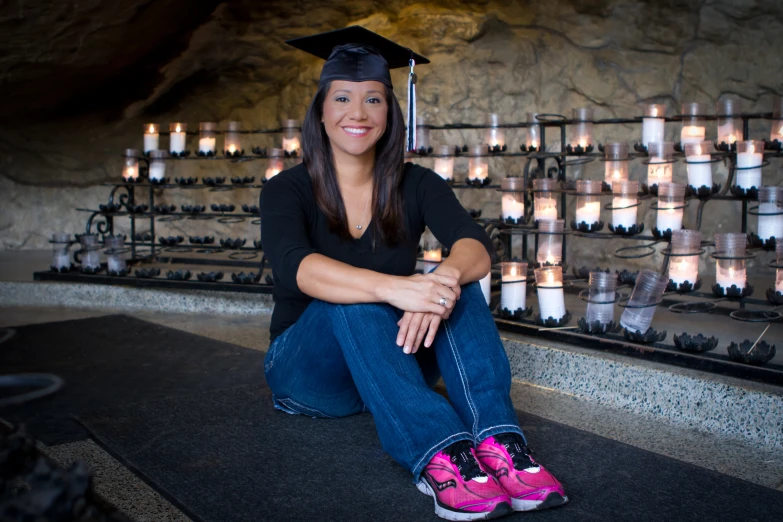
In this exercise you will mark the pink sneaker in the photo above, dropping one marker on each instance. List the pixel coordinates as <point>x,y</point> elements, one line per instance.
<point>529,485</point>
<point>461,488</point>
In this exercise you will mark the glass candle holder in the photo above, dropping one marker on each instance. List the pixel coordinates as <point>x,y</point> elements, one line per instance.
<point>432,251</point>
<point>61,259</point>
<point>90,256</point>
<point>624,203</point>
<point>513,289</point>
<point>660,168</point>
<point>550,242</point>
<point>422,134</point>
<point>478,166</point>
<point>653,123</point>
<point>151,137</point>
<point>486,285</point>
<point>776,133</point>
<point>582,128</point>
<point>616,164</point>
<point>533,139</point>
<point>444,162</point>
<point>684,268</point>
<point>513,200</point>
<point>729,121</point>
<point>292,136</point>
<point>495,137</point>
<point>544,200</point>
<point>177,137</point>
<point>770,213</point>
<point>779,271</point>
<point>549,286</point>
<point>207,137</point>
<point>694,123</point>
<point>697,161</point>
<point>750,156</point>
<point>130,171</point>
<point>274,164</point>
<point>158,165</point>
<point>588,201</point>
<point>601,296</point>
<point>647,291</point>
<point>730,272</point>
<point>232,142</point>
<point>115,262</point>
<point>671,204</point>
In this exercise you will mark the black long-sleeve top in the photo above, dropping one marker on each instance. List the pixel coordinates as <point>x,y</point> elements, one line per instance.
<point>293,227</point>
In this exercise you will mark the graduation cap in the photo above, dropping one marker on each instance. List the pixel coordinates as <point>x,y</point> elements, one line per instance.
<point>357,54</point>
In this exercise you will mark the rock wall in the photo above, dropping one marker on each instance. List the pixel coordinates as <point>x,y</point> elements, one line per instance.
<point>78,81</point>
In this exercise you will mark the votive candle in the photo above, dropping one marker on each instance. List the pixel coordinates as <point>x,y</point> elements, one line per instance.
<point>513,289</point>
<point>151,137</point>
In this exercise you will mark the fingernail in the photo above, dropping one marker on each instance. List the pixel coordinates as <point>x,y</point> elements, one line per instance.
<point>407,349</point>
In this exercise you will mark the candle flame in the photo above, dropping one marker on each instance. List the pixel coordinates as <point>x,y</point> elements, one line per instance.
<point>232,148</point>
<point>731,271</point>
<point>781,130</point>
<point>751,149</point>
<point>698,150</point>
<point>534,143</point>
<point>732,138</point>
<point>550,259</point>
<point>178,128</point>
<point>152,128</point>
<point>583,143</point>
<point>616,174</point>
<point>513,271</point>
<point>655,111</point>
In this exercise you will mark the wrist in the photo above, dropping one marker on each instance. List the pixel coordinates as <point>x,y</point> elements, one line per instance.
<point>383,287</point>
<point>449,270</point>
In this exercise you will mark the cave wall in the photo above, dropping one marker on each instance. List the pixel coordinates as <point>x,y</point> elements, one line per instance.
<point>79,80</point>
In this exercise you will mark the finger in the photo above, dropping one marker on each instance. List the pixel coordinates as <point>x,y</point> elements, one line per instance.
<point>446,292</point>
<point>403,323</point>
<point>457,290</point>
<point>433,329</point>
<point>425,324</point>
<point>413,328</point>
<point>446,280</point>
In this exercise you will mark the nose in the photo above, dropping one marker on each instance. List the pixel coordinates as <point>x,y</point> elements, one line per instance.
<point>357,111</point>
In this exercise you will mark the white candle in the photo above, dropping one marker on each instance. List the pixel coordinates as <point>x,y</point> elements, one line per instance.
<point>445,167</point>
<point>669,218</point>
<point>684,270</point>
<point>612,174</point>
<point>699,174</point>
<point>206,145</point>
<point>623,216</point>
<point>727,278</point>
<point>692,134</point>
<point>131,173</point>
<point>62,261</point>
<point>151,139</point>
<point>432,255</point>
<point>232,148</point>
<point>271,173</point>
<point>485,283</point>
<point>658,172</point>
<point>589,213</point>
<point>545,208</point>
<point>511,207</point>
<point>513,291</point>
<point>652,130</point>
<point>157,170</point>
<point>727,133</point>
<point>291,144</point>
<point>748,178</point>
<point>496,137</point>
<point>177,141</point>
<point>551,302</point>
<point>479,171</point>
<point>116,264</point>
<point>770,226</point>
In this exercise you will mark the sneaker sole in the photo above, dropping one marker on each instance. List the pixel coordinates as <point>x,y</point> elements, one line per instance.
<point>552,500</point>
<point>500,510</point>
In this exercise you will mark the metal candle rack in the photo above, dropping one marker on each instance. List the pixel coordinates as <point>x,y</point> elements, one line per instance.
<point>125,197</point>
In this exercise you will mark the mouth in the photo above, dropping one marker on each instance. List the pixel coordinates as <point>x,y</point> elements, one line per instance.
<point>356,132</point>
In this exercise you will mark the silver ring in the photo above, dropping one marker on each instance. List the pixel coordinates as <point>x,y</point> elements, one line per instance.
<point>443,301</point>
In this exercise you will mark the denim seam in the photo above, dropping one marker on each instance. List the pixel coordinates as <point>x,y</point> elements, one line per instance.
<point>371,383</point>
<point>275,353</point>
<point>463,377</point>
<point>517,429</point>
<point>289,402</point>
<point>426,453</point>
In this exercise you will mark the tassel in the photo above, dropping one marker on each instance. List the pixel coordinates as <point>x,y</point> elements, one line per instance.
<point>411,133</point>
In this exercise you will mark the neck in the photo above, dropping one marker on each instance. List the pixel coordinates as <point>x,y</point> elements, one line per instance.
<point>354,171</point>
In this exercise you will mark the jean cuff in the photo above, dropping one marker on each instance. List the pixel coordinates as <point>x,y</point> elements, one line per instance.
<point>500,428</point>
<point>445,443</point>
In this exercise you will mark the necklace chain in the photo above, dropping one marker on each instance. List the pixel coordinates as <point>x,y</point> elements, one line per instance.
<point>364,214</point>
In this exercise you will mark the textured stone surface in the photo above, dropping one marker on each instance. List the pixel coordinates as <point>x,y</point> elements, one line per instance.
<point>78,82</point>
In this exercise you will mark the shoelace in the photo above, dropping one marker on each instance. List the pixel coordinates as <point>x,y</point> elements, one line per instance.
<point>463,458</point>
<point>519,453</point>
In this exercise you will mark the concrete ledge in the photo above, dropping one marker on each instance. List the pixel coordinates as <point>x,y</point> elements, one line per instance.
<point>708,403</point>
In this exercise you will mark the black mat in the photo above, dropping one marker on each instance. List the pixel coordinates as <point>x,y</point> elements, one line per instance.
<point>113,361</point>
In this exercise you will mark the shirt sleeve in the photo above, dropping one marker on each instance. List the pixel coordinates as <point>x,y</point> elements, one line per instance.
<point>284,235</point>
<point>445,216</point>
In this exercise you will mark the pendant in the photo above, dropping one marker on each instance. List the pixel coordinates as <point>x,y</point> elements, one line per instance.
<point>358,227</point>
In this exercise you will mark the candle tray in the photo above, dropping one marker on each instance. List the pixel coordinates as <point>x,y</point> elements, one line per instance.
<point>597,327</point>
<point>171,240</point>
<point>258,151</point>
<point>213,182</point>
<point>551,322</point>
<point>756,242</point>
<point>774,297</point>
<point>235,154</point>
<point>648,337</point>
<point>109,207</point>
<point>251,209</point>
<point>423,151</point>
<point>525,148</point>
<point>662,235</point>
<point>627,278</point>
<point>583,226</point>
<point>695,343</point>
<point>583,272</point>
<point>478,183</point>
<point>222,207</point>
<point>147,273</point>
<point>61,270</point>
<point>178,275</point>
<point>772,145</point>
<point>750,193</point>
<point>182,154</point>
<point>579,149</point>
<point>132,180</point>
<point>90,270</point>
<point>496,149</point>
<point>165,209</point>
<point>209,277</point>
<point>246,180</point>
<point>245,278</point>
<point>512,221</point>
<point>516,315</point>
<point>640,148</point>
<point>474,213</point>
<point>762,353</point>
<point>138,209</point>
<point>627,232</point>
<point>678,147</point>
<point>207,154</point>
<point>193,209</point>
<point>118,273</point>
<point>157,182</point>
<point>292,154</point>
<point>684,287</point>
<point>269,280</point>
<point>233,244</point>
<point>733,291</point>
<point>652,189</point>
<point>606,187</point>
<point>702,192</point>
<point>143,237</point>
<point>201,240</point>
<point>257,244</point>
<point>184,182</point>
<point>725,147</point>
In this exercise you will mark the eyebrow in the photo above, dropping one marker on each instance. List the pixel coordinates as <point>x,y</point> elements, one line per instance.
<point>351,92</point>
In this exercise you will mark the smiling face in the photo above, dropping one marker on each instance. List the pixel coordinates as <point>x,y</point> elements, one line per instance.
<point>354,116</point>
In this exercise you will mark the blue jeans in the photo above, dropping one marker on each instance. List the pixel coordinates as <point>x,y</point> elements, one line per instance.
<point>339,360</point>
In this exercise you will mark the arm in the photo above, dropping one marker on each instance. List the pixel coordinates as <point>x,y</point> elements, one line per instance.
<point>467,262</point>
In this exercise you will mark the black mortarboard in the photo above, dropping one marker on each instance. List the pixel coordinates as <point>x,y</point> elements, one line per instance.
<point>356,54</point>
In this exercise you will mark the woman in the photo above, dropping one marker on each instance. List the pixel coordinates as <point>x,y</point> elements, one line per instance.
<point>341,231</point>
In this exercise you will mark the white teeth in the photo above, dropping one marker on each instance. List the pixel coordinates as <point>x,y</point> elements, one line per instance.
<point>355,131</point>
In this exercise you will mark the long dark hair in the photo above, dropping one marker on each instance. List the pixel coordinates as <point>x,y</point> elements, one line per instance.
<point>389,163</point>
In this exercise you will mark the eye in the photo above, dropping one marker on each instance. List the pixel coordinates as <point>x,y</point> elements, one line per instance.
<point>374,100</point>
<point>341,99</point>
